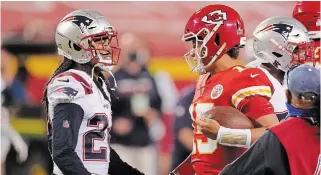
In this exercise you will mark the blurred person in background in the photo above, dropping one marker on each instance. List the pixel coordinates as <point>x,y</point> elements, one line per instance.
<point>14,91</point>
<point>78,98</point>
<point>9,136</point>
<point>293,146</point>
<point>137,123</point>
<point>182,128</point>
<point>308,13</point>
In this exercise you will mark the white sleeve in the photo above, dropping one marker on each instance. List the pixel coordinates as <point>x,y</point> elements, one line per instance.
<point>278,98</point>
<point>64,90</point>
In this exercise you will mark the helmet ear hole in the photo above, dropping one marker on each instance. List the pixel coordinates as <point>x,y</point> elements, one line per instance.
<point>76,47</point>
<point>69,44</point>
<point>217,39</point>
<point>277,54</point>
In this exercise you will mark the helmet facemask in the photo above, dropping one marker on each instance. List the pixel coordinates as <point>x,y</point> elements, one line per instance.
<point>303,53</point>
<point>197,53</point>
<point>283,55</point>
<point>195,58</point>
<point>103,49</point>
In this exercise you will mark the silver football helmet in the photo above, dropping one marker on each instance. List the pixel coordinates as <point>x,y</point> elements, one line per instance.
<point>85,35</point>
<point>282,41</point>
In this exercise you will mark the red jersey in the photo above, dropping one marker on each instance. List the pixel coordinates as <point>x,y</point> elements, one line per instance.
<point>232,87</point>
<point>304,150</point>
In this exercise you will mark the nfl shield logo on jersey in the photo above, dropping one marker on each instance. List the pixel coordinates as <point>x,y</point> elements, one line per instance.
<point>65,124</point>
<point>217,91</point>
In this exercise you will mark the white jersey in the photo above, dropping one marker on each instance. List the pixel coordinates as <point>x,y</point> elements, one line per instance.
<point>278,98</point>
<point>92,147</point>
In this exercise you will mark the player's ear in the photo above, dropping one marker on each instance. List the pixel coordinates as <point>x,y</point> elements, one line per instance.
<point>288,96</point>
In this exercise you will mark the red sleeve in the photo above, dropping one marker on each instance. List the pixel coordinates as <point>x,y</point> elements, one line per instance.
<point>256,107</point>
<point>251,82</point>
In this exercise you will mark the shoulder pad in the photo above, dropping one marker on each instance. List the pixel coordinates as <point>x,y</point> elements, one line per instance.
<point>66,87</point>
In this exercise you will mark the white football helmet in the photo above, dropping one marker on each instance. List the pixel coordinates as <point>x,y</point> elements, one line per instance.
<point>282,41</point>
<point>85,35</point>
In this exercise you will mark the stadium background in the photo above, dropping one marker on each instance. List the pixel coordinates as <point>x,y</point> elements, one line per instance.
<point>27,34</point>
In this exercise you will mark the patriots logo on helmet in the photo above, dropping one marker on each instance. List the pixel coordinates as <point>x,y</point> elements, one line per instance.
<point>68,91</point>
<point>283,29</point>
<point>81,21</point>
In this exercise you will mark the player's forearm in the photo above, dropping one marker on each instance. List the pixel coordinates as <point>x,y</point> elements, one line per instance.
<point>262,123</point>
<point>68,162</point>
<point>118,166</point>
<point>65,128</point>
<point>256,133</point>
<point>239,137</point>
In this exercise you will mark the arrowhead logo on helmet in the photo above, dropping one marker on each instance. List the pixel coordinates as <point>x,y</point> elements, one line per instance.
<point>215,17</point>
<point>81,21</point>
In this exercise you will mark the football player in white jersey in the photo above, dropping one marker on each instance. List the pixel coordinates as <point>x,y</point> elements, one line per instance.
<point>277,42</point>
<point>78,98</point>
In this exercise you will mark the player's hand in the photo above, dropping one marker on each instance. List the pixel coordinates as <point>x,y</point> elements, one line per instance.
<point>209,127</point>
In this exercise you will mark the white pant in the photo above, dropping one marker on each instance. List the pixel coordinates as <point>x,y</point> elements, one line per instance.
<point>142,158</point>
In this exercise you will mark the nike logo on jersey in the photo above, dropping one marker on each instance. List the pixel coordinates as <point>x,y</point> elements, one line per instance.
<point>66,81</point>
<point>254,75</point>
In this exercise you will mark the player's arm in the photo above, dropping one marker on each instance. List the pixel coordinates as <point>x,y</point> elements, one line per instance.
<point>66,120</point>
<point>252,97</point>
<point>65,128</point>
<point>265,156</point>
<point>261,111</point>
<point>253,101</point>
<point>118,166</point>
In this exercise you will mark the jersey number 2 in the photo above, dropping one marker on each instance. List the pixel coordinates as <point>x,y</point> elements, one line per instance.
<point>92,137</point>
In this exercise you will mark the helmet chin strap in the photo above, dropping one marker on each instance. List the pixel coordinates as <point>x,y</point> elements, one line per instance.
<point>200,68</point>
<point>93,71</point>
<point>110,72</point>
<point>115,83</point>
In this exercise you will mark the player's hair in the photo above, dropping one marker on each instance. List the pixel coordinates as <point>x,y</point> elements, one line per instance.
<point>68,64</point>
<point>233,52</point>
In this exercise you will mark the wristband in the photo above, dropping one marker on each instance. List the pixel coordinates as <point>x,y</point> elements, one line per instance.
<point>234,137</point>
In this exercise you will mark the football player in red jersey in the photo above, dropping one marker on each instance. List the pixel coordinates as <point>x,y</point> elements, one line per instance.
<point>308,13</point>
<point>217,33</point>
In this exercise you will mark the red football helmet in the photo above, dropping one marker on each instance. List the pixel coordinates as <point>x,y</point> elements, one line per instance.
<point>308,13</point>
<point>217,28</point>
